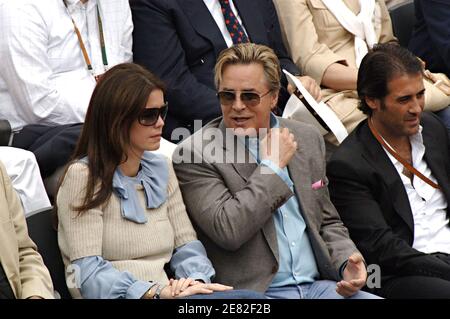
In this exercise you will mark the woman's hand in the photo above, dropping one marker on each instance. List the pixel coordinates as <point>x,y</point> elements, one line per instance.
<point>179,285</point>
<point>201,288</point>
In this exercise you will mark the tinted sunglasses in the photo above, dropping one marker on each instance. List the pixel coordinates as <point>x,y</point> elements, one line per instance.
<point>250,99</point>
<point>149,117</point>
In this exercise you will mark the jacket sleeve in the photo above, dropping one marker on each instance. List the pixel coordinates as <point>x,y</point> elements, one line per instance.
<point>34,277</point>
<point>156,45</point>
<point>276,43</point>
<point>375,238</point>
<point>332,229</point>
<point>229,219</point>
<point>436,14</point>
<point>300,33</point>
<point>386,33</point>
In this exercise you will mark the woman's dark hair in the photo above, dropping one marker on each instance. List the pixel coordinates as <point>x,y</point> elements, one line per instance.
<point>379,67</point>
<point>119,97</point>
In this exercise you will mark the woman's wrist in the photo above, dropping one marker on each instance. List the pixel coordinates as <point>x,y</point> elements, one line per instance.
<point>166,292</point>
<point>150,293</point>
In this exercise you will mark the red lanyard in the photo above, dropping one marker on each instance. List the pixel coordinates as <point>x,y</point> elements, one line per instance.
<point>404,162</point>
<point>83,47</point>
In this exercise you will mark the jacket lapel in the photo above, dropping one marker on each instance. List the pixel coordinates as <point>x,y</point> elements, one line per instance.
<point>203,23</point>
<point>302,186</point>
<point>378,159</point>
<point>237,154</point>
<point>245,165</point>
<point>436,163</point>
<point>299,172</point>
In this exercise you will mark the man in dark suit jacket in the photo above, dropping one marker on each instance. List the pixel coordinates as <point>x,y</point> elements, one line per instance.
<point>179,40</point>
<point>397,217</point>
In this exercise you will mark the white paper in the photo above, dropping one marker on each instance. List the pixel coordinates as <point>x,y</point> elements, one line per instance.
<point>295,109</point>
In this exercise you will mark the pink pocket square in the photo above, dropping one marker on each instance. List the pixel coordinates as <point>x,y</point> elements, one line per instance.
<point>317,185</point>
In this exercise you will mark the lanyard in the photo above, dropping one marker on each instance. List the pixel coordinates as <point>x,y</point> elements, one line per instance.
<point>83,47</point>
<point>404,162</point>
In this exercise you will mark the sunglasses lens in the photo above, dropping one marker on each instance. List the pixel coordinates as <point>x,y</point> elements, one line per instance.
<point>149,117</point>
<point>226,98</point>
<point>250,98</point>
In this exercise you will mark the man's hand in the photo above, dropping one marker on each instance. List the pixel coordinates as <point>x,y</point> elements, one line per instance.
<point>355,275</point>
<point>310,85</point>
<point>278,146</point>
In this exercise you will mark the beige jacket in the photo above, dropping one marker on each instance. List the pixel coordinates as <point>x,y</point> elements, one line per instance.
<point>315,39</point>
<point>23,265</point>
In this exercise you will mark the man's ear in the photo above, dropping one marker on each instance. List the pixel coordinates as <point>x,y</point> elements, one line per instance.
<point>373,103</point>
<point>274,101</point>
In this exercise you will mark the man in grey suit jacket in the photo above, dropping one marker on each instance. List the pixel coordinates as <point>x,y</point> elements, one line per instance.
<point>264,215</point>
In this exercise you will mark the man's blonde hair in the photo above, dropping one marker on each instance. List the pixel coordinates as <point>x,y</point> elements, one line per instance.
<point>248,53</point>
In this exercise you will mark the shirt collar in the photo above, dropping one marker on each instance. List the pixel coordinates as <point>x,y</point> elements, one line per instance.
<point>417,148</point>
<point>72,4</point>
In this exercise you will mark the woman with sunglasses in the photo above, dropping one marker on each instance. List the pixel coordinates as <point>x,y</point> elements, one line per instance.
<point>121,214</point>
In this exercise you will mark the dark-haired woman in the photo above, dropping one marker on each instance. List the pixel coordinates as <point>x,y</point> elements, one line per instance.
<point>121,214</point>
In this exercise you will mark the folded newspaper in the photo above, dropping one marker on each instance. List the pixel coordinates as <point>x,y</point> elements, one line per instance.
<point>309,111</point>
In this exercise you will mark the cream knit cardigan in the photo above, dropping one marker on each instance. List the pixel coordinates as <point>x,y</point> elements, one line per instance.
<point>141,249</point>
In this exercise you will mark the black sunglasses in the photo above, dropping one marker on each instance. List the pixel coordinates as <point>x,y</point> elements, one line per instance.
<point>149,117</point>
<point>250,99</point>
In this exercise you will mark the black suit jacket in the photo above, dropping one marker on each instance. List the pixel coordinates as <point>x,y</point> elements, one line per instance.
<point>371,199</point>
<point>428,40</point>
<point>179,41</point>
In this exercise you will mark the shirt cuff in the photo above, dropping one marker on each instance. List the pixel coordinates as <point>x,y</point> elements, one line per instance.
<point>342,268</point>
<point>200,276</point>
<point>138,289</point>
<point>280,172</point>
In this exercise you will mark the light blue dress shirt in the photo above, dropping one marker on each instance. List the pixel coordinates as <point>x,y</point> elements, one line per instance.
<point>297,263</point>
<point>100,280</point>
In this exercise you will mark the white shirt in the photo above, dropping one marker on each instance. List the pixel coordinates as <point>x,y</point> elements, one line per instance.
<point>43,75</point>
<point>23,170</point>
<point>216,11</point>
<point>428,205</point>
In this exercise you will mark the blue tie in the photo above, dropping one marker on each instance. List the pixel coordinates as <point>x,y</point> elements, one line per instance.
<point>234,27</point>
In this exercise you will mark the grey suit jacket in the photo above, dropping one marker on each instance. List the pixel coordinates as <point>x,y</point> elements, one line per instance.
<point>231,205</point>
